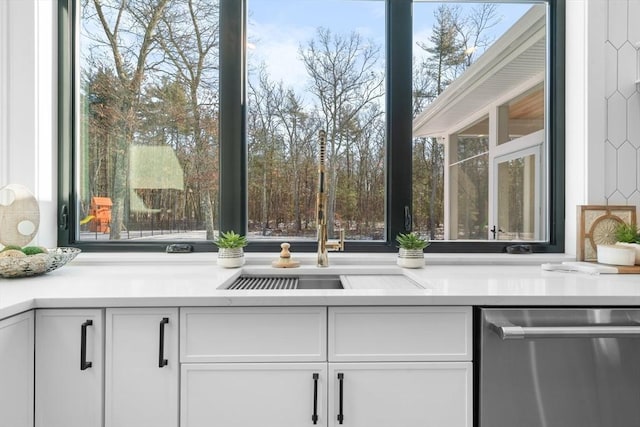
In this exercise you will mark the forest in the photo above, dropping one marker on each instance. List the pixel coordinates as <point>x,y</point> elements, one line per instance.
<point>149,88</point>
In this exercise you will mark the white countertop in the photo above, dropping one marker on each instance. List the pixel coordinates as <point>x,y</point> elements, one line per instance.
<point>143,280</point>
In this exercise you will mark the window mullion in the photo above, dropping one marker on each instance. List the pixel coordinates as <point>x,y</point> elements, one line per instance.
<point>233,147</point>
<point>399,34</point>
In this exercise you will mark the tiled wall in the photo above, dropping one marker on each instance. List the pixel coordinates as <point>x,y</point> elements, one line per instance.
<point>622,101</point>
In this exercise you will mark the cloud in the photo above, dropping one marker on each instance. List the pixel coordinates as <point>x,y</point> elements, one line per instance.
<point>278,48</point>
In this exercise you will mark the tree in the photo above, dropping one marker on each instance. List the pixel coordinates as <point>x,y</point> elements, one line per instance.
<point>442,66</point>
<point>345,79</point>
<point>128,38</point>
<point>188,35</point>
<point>472,30</point>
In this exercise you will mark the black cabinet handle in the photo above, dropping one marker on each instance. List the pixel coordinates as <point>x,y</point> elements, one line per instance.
<point>161,360</point>
<point>340,414</point>
<point>83,345</point>
<point>314,417</point>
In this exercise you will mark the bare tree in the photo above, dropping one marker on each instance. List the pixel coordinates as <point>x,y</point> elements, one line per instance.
<point>188,35</point>
<point>265,144</point>
<point>473,30</point>
<point>128,38</point>
<point>345,79</point>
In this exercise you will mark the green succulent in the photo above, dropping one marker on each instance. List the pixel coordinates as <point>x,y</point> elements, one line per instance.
<point>627,233</point>
<point>411,241</point>
<point>32,250</point>
<point>231,239</point>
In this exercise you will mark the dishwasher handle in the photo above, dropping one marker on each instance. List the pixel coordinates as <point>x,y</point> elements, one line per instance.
<point>513,332</point>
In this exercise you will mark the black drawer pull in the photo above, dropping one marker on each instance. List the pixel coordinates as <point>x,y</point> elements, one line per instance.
<point>314,417</point>
<point>340,412</point>
<point>162,362</point>
<point>83,345</point>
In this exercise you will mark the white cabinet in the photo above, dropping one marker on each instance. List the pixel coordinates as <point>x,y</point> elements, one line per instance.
<point>253,334</point>
<point>286,389</point>
<point>254,394</point>
<point>399,334</point>
<point>69,368</point>
<point>382,367</point>
<point>407,394</point>
<point>16,370</point>
<point>409,366</point>
<point>141,367</point>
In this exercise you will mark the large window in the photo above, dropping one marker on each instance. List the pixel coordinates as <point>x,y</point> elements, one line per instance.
<point>182,118</point>
<point>319,66</point>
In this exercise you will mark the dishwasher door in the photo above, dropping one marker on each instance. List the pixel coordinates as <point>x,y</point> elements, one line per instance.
<point>559,368</point>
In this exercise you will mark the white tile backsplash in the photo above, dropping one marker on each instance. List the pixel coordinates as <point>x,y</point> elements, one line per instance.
<point>622,100</point>
<point>617,14</point>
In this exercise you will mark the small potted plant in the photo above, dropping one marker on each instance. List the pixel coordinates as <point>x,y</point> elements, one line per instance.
<point>411,250</point>
<point>629,235</point>
<point>230,249</point>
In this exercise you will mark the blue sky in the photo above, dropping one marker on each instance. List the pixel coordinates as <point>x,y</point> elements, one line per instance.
<point>278,27</point>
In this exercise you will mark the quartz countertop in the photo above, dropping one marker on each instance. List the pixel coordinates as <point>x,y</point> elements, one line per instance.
<point>144,280</point>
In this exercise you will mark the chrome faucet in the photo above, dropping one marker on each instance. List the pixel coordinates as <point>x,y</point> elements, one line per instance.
<point>323,244</point>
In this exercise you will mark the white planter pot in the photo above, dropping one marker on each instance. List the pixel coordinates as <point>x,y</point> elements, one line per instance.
<point>230,257</point>
<point>635,246</point>
<point>410,258</point>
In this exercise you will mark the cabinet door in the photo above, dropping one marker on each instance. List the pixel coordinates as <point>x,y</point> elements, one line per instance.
<point>141,362</point>
<point>412,394</point>
<point>69,368</point>
<point>16,371</point>
<point>249,395</point>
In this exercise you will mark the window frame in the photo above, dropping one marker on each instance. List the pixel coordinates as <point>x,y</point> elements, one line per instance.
<point>233,147</point>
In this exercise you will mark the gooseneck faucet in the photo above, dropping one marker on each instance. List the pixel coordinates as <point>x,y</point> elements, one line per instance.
<point>323,244</point>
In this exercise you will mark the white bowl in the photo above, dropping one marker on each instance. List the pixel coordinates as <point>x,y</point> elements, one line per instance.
<point>616,255</point>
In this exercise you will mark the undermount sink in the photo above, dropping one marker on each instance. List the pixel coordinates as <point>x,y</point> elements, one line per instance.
<point>256,281</point>
<point>272,282</point>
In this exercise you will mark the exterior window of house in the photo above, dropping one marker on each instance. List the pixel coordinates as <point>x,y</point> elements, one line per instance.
<point>180,119</point>
<point>517,201</point>
<point>469,182</point>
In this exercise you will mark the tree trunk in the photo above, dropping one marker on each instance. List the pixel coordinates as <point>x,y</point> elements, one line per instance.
<point>120,188</point>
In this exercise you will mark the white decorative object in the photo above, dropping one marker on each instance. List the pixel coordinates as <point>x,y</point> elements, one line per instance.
<point>635,247</point>
<point>410,258</point>
<point>19,215</point>
<point>230,257</point>
<point>616,255</point>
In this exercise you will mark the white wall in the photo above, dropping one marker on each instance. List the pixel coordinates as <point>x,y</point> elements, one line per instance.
<point>603,106</point>
<point>602,120</point>
<point>27,131</point>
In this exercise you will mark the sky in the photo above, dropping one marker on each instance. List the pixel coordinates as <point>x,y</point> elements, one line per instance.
<point>278,27</point>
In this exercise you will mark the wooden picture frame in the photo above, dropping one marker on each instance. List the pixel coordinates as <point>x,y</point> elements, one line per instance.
<point>597,224</point>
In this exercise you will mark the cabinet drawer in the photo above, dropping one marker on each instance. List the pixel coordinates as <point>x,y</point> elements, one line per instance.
<point>253,334</point>
<point>399,334</point>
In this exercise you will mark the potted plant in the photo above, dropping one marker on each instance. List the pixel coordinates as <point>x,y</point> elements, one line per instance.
<point>411,250</point>
<point>629,235</point>
<point>230,249</point>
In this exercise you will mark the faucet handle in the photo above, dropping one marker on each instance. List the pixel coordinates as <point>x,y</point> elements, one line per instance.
<point>337,245</point>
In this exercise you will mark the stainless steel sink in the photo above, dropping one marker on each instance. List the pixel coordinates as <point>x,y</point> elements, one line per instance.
<point>265,280</point>
<point>269,282</point>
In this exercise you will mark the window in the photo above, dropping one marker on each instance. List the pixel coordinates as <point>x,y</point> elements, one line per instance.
<point>313,68</point>
<point>484,60</point>
<point>193,116</point>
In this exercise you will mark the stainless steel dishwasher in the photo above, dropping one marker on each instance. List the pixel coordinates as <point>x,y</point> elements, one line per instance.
<point>559,368</point>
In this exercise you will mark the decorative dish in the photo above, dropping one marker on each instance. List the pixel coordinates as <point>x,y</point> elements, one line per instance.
<point>33,265</point>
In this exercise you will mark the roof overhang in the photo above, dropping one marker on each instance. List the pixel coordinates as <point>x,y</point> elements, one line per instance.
<point>518,56</point>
